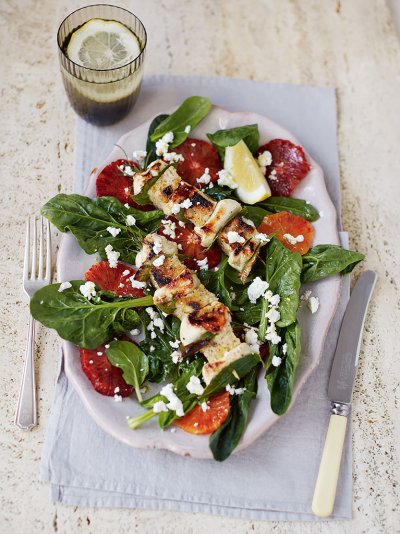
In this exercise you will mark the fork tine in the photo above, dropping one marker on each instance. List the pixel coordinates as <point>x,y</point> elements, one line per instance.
<point>48,252</point>
<point>41,245</point>
<point>34,246</point>
<point>27,246</point>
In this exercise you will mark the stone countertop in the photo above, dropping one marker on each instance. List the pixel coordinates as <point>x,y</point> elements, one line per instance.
<point>351,45</point>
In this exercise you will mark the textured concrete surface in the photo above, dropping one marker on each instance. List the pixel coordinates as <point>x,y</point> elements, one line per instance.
<point>351,45</point>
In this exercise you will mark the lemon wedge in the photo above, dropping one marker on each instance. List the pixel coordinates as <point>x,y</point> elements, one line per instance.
<point>252,186</point>
<point>102,45</point>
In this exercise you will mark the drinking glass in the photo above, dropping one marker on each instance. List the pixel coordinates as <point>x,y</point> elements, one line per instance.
<point>101,96</point>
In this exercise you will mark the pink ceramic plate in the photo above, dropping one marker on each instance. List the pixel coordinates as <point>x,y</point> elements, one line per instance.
<point>73,262</point>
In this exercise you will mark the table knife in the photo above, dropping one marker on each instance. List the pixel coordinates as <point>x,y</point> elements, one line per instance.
<point>340,390</point>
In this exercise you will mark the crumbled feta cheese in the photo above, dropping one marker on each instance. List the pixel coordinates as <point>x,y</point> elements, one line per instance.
<point>187,203</point>
<point>262,238</point>
<point>174,402</point>
<point>193,144</point>
<point>152,348</point>
<point>293,240</point>
<point>187,129</point>
<point>234,391</point>
<point>225,178</point>
<point>153,335</point>
<point>306,295</point>
<point>313,304</point>
<point>159,261</point>
<point>139,156</point>
<point>251,338</point>
<point>88,290</point>
<point>91,362</point>
<point>274,338</point>
<point>159,407</point>
<point>126,272</point>
<point>130,220</point>
<point>99,353</point>
<point>273,315</point>
<point>112,256</point>
<point>116,390</point>
<point>135,332</point>
<point>162,144</point>
<point>151,313</point>
<point>107,346</point>
<point>284,348</point>
<point>113,231</point>
<point>175,344</point>
<point>126,189</point>
<point>169,228</point>
<point>204,178</point>
<point>276,361</point>
<point>126,169</point>
<point>64,285</point>
<point>173,157</point>
<point>173,430</point>
<point>136,284</point>
<point>256,289</point>
<point>234,237</point>
<point>194,386</point>
<point>121,285</point>
<point>273,175</point>
<point>204,406</point>
<point>159,323</point>
<point>203,264</point>
<point>157,246</point>
<point>265,159</point>
<point>274,300</point>
<point>117,398</point>
<point>176,356</point>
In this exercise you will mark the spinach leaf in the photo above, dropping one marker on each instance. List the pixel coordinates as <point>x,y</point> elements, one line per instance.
<point>150,145</point>
<point>254,213</point>
<point>133,362</point>
<point>88,219</point>
<point>87,323</point>
<point>324,260</point>
<point>280,379</point>
<point>283,269</point>
<point>190,113</point>
<point>161,366</point>
<point>216,283</point>
<point>231,136</point>
<point>219,193</point>
<point>296,206</point>
<point>230,373</point>
<point>225,439</point>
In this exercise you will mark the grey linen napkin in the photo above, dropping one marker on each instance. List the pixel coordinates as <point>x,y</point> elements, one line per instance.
<point>274,478</point>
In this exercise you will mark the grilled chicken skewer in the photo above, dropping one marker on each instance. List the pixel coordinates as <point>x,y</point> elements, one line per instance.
<point>180,292</point>
<point>212,220</point>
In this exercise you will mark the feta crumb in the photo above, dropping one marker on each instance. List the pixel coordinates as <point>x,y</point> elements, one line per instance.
<point>153,335</point>
<point>107,346</point>
<point>157,246</point>
<point>187,203</point>
<point>174,402</point>
<point>88,290</point>
<point>116,390</point>
<point>173,430</point>
<point>91,362</point>
<point>136,284</point>
<point>112,256</point>
<point>139,156</point>
<point>175,344</point>
<point>152,348</point>
<point>194,386</point>
<point>284,348</point>
<point>173,157</point>
<point>151,313</point>
<point>276,361</point>
<point>130,220</point>
<point>265,159</point>
<point>251,338</point>
<point>293,240</point>
<point>176,356</point>
<point>169,228</point>
<point>313,304</point>
<point>262,238</point>
<point>187,129</point>
<point>273,175</point>
<point>273,315</point>
<point>204,406</point>
<point>225,178</point>
<point>234,391</point>
<point>193,144</point>
<point>99,354</point>
<point>234,237</point>
<point>248,221</point>
<point>126,169</point>
<point>113,231</point>
<point>135,332</point>
<point>196,424</point>
<point>203,264</point>
<point>117,398</point>
<point>126,272</point>
<point>159,261</point>
<point>64,285</point>
<point>159,407</point>
<point>162,144</point>
<point>256,289</point>
<point>204,178</point>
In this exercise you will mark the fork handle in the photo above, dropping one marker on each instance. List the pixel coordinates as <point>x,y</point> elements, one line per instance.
<point>25,418</point>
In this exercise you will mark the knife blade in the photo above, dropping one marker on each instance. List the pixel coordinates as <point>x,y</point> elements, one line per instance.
<point>340,389</point>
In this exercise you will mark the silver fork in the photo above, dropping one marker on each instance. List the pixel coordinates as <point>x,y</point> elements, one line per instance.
<point>37,273</point>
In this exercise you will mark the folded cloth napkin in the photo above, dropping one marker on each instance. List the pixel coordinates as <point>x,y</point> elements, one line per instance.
<point>274,478</point>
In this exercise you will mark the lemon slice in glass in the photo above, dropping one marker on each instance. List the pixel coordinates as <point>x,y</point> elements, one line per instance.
<point>102,45</point>
<point>246,173</point>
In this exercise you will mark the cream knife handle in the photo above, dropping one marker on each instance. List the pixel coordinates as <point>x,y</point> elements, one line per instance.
<point>328,475</point>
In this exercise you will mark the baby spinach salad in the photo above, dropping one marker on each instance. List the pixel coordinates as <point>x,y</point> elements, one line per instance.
<point>203,248</point>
